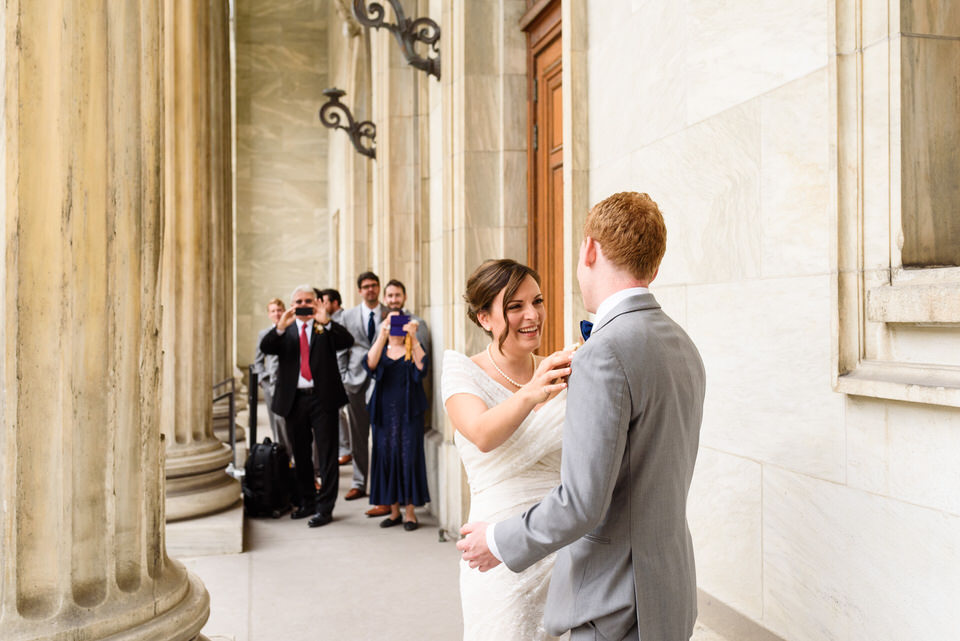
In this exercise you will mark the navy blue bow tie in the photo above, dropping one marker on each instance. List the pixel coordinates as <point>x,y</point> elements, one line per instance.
<point>585,328</point>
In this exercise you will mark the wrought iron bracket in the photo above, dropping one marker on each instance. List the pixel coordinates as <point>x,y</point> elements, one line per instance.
<point>332,114</point>
<point>407,33</point>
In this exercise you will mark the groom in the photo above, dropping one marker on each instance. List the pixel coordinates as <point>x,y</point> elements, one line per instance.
<point>625,569</point>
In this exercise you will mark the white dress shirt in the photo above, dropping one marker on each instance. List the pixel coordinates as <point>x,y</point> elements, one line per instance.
<point>303,383</point>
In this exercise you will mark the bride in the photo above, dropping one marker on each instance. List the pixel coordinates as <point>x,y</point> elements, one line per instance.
<point>507,406</point>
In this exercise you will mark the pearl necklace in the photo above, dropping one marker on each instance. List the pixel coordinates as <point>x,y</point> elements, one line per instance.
<point>502,373</point>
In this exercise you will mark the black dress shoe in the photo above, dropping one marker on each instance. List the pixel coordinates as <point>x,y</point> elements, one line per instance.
<point>300,513</point>
<point>388,522</point>
<point>320,519</point>
<point>410,526</point>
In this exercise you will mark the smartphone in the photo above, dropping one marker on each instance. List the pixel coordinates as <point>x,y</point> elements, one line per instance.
<point>396,324</point>
<point>305,311</point>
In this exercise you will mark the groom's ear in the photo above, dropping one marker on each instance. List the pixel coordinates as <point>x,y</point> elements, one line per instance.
<point>589,251</point>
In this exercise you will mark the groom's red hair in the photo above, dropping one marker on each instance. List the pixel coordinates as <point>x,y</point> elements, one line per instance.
<point>631,232</point>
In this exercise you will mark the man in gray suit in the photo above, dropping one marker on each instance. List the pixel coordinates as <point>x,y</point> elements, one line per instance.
<point>625,570</point>
<point>362,322</point>
<point>265,365</point>
<point>331,301</point>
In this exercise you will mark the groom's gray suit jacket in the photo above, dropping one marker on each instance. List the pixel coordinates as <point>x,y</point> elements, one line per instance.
<point>634,406</point>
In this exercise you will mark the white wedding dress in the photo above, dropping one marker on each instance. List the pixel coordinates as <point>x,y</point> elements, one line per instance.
<point>501,605</point>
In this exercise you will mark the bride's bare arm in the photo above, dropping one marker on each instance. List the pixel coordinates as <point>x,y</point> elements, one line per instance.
<point>488,427</point>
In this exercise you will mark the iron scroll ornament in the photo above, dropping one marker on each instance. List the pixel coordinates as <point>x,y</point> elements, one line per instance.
<point>330,116</point>
<point>407,33</point>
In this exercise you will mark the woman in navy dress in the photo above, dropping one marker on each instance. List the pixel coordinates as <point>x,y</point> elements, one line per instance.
<point>398,470</point>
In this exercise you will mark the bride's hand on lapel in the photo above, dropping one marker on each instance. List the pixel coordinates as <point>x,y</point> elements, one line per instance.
<point>550,377</point>
<point>474,547</point>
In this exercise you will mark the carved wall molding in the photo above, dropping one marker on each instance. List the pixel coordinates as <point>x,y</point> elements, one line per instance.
<point>352,28</point>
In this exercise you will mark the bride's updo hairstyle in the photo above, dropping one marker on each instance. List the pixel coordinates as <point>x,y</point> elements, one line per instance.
<point>487,281</point>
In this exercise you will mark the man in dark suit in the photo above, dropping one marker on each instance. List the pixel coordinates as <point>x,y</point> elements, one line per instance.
<point>309,395</point>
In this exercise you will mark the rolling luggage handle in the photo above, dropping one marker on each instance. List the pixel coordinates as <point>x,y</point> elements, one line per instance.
<point>253,401</point>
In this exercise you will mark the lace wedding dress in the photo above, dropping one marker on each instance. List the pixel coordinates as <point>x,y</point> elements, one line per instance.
<point>501,605</point>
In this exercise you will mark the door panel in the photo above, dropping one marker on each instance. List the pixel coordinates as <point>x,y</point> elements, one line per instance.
<point>545,166</point>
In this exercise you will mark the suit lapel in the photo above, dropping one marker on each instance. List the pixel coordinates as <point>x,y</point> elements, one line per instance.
<point>314,340</point>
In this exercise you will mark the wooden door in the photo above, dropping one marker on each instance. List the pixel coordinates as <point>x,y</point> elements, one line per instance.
<point>545,162</point>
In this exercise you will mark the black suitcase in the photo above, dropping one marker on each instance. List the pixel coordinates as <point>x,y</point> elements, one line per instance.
<point>267,480</point>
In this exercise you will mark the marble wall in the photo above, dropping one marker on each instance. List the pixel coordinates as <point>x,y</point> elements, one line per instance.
<point>819,515</point>
<point>283,226</point>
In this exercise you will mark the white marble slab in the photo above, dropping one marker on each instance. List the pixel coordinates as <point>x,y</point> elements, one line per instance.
<point>724,515</point>
<point>795,179</point>
<point>706,180</point>
<point>766,348</point>
<point>637,88</point>
<point>906,451</point>
<point>739,50</point>
<point>845,565</point>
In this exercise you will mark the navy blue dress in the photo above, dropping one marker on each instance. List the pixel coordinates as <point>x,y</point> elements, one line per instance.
<point>398,469</point>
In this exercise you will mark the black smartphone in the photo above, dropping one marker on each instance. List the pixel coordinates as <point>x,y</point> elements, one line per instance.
<point>305,311</point>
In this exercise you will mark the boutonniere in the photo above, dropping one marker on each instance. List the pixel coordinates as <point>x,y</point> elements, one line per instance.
<point>317,329</point>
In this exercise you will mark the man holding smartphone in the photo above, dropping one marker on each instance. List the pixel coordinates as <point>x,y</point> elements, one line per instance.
<point>309,395</point>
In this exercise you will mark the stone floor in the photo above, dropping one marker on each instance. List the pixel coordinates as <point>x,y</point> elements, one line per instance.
<point>348,581</point>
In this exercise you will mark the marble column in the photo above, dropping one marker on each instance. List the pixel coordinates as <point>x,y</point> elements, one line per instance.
<point>82,552</point>
<point>397,197</point>
<point>220,177</point>
<point>196,458</point>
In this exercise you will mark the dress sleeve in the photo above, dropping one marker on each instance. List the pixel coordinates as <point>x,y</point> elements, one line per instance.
<point>418,374</point>
<point>416,397</point>
<point>456,377</point>
<point>377,372</point>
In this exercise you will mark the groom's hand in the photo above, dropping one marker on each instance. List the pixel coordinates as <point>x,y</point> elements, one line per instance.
<point>474,547</point>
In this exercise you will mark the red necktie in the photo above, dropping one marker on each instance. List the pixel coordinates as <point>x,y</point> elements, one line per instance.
<point>304,354</point>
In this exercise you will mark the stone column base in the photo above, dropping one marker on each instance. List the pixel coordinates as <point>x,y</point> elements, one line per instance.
<point>197,483</point>
<point>127,617</point>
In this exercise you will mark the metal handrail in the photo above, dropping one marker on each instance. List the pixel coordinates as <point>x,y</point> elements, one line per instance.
<point>231,387</point>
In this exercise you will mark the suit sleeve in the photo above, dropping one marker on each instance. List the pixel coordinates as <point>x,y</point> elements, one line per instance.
<point>423,335</point>
<point>271,341</point>
<point>594,441</point>
<point>258,360</point>
<point>342,339</point>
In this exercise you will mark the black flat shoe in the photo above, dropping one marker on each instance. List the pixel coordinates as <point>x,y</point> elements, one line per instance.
<point>320,519</point>
<point>301,513</point>
<point>410,526</point>
<point>388,522</point>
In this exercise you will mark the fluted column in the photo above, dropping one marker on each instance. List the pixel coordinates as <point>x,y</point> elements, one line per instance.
<point>221,218</point>
<point>82,551</point>
<point>220,176</point>
<point>196,459</point>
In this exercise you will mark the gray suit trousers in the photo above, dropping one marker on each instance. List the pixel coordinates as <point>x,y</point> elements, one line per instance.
<point>344,444</point>
<point>359,420</point>
<point>278,426</point>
